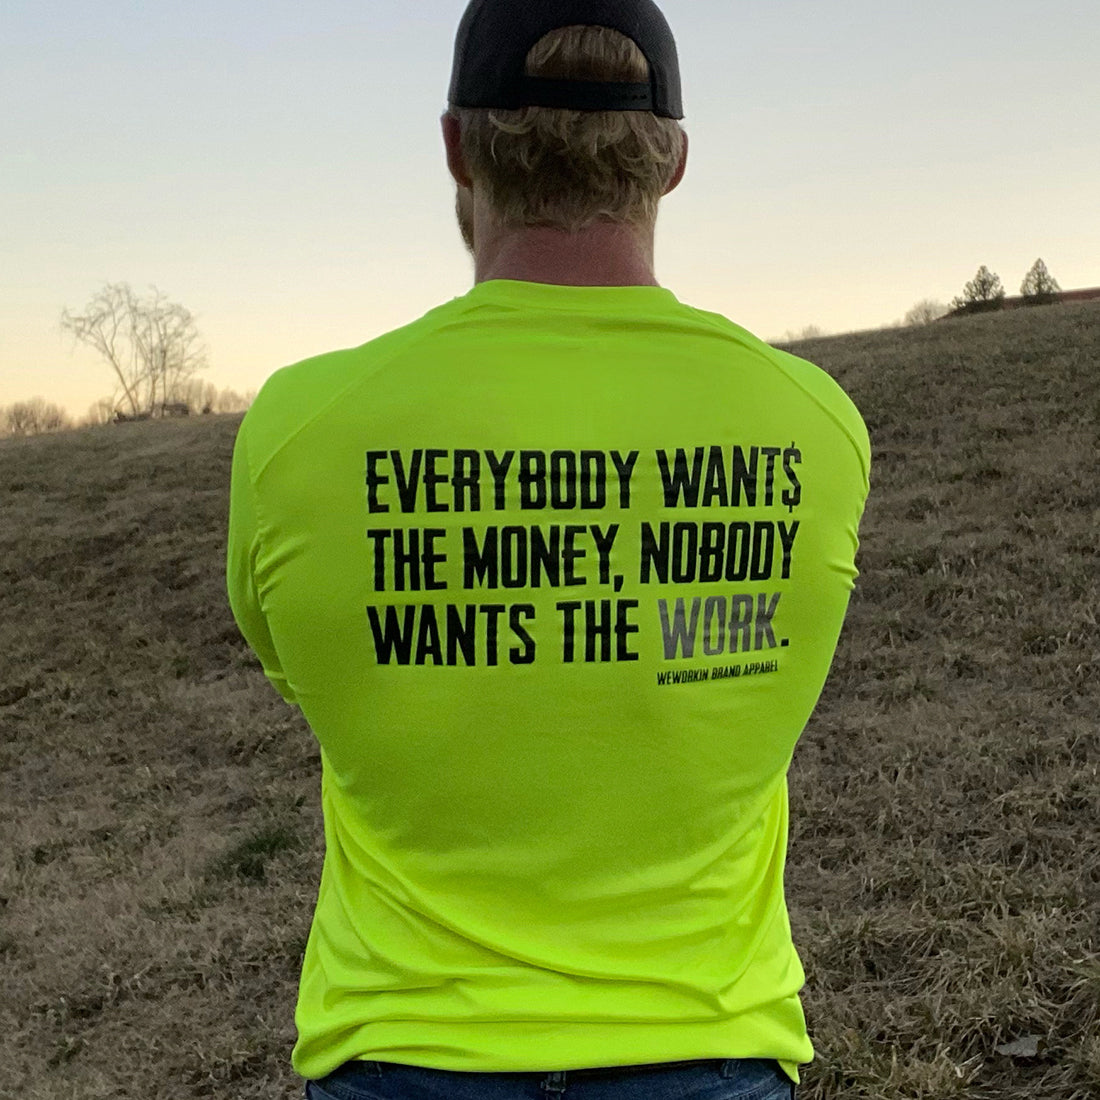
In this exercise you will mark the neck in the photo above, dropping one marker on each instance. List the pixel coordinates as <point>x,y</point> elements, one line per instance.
<point>604,254</point>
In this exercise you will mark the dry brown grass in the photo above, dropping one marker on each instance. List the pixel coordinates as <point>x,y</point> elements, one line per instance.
<point>160,806</point>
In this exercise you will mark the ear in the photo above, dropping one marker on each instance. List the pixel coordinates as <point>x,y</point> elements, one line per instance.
<point>456,162</point>
<point>678,175</point>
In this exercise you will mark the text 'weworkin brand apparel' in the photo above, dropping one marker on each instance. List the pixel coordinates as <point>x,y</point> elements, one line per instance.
<point>556,575</point>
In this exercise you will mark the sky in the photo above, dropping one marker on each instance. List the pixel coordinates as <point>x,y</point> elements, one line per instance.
<point>277,168</point>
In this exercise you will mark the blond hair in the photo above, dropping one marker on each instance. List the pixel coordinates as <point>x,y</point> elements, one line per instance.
<point>566,169</point>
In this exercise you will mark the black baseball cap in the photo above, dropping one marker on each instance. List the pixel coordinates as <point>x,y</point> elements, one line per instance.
<point>495,37</point>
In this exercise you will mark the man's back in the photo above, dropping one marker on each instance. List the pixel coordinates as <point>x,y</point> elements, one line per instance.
<point>556,575</point>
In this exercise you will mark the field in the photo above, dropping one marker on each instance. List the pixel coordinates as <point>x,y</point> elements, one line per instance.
<point>160,805</point>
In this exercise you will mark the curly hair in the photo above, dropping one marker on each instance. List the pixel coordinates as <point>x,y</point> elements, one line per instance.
<point>566,169</point>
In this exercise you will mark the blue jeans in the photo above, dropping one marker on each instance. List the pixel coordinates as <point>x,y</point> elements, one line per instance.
<point>706,1079</point>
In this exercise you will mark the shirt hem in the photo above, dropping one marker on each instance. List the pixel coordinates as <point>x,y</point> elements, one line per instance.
<point>508,1046</point>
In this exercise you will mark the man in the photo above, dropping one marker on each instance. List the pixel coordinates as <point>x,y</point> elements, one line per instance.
<point>556,574</point>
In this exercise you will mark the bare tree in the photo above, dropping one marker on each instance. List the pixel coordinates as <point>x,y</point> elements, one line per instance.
<point>230,401</point>
<point>206,397</point>
<point>808,332</point>
<point>152,344</point>
<point>198,394</point>
<point>203,396</point>
<point>99,412</point>
<point>34,417</point>
<point>925,312</point>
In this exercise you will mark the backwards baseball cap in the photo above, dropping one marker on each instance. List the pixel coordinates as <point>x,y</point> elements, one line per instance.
<point>495,37</point>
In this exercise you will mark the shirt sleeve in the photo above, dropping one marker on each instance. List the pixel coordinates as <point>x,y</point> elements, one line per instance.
<point>240,571</point>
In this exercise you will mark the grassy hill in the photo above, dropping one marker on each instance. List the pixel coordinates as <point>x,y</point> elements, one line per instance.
<point>160,805</point>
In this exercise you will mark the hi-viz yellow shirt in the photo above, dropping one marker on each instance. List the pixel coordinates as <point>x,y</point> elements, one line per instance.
<point>556,575</point>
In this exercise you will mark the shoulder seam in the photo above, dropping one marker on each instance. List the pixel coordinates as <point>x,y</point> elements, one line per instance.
<point>400,346</point>
<point>775,360</point>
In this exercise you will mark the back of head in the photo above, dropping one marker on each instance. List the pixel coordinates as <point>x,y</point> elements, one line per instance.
<point>564,168</point>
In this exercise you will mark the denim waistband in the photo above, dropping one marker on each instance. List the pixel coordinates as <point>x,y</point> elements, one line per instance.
<point>654,1067</point>
<point>373,1066</point>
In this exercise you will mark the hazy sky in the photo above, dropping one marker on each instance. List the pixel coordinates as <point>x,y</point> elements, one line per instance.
<point>278,169</point>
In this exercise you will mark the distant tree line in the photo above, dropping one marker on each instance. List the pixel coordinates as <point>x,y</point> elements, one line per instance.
<point>34,417</point>
<point>985,293</point>
<point>39,416</point>
<point>195,397</point>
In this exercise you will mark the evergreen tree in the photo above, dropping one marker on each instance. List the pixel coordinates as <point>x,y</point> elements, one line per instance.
<point>983,292</point>
<point>1038,287</point>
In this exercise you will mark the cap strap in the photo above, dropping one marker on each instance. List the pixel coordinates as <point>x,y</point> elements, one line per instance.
<point>585,95</point>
